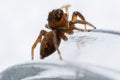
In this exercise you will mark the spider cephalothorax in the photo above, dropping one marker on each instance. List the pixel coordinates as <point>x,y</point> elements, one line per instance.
<point>59,25</point>
<point>57,18</point>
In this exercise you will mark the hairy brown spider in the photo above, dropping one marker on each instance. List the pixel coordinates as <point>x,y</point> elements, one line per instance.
<point>59,25</point>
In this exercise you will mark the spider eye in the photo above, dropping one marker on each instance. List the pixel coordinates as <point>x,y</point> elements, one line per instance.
<point>58,14</point>
<point>49,16</point>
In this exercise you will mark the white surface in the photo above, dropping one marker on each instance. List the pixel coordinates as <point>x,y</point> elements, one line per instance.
<point>22,20</point>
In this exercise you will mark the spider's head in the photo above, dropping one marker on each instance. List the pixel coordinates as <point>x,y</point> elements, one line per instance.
<point>55,14</point>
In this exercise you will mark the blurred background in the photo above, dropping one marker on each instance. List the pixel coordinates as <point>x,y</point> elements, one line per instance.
<point>22,20</point>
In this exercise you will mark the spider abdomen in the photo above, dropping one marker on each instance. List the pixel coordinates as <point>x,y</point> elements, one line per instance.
<point>47,45</point>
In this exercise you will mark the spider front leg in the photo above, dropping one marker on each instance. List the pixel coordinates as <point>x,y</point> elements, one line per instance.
<point>43,32</point>
<point>83,21</point>
<point>66,7</point>
<point>76,14</point>
<point>71,24</point>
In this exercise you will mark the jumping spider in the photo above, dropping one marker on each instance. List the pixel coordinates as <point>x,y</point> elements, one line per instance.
<point>59,25</point>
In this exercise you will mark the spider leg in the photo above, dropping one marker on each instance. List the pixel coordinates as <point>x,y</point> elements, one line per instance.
<point>75,15</point>
<point>64,37</point>
<point>78,14</point>
<point>55,44</point>
<point>66,8</point>
<point>71,24</point>
<point>43,32</point>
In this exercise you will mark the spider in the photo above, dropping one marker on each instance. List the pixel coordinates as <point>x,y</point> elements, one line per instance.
<point>59,25</point>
